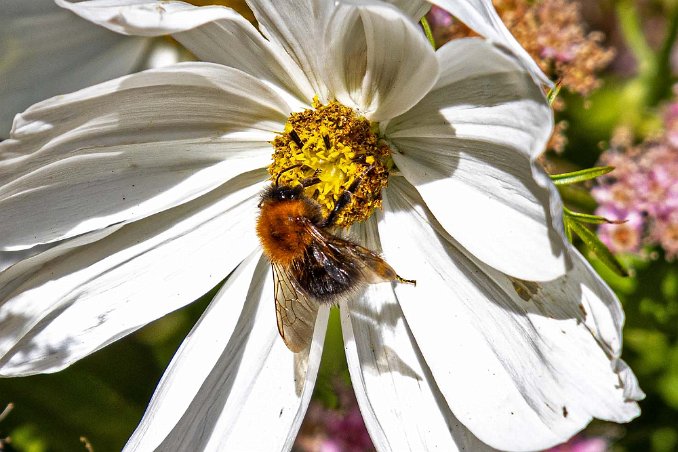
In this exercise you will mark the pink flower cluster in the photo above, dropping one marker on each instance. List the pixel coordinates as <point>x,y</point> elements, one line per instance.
<point>643,190</point>
<point>328,430</point>
<point>583,444</point>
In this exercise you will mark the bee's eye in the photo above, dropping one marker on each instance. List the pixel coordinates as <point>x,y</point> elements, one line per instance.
<point>286,192</point>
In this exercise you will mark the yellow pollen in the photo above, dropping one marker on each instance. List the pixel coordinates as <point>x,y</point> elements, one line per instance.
<point>336,146</point>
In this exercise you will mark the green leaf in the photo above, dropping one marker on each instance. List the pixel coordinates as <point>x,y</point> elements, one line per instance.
<point>333,364</point>
<point>553,93</point>
<point>576,196</point>
<point>568,229</point>
<point>590,219</point>
<point>594,244</point>
<point>581,175</point>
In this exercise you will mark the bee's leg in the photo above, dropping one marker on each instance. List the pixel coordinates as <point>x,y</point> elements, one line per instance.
<point>406,281</point>
<point>345,198</point>
<point>311,180</point>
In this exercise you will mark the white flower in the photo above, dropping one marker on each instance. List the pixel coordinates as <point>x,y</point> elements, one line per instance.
<point>151,184</point>
<point>48,51</point>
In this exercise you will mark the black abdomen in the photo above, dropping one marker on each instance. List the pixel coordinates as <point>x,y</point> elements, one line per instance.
<point>325,275</point>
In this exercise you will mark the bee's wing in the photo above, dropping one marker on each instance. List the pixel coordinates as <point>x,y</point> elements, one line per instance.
<point>295,312</point>
<point>373,268</point>
<point>337,253</point>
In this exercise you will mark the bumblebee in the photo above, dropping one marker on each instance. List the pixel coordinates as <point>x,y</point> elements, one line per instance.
<point>311,265</point>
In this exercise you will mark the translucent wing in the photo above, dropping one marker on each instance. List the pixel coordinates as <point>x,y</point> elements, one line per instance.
<point>295,312</point>
<point>339,255</point>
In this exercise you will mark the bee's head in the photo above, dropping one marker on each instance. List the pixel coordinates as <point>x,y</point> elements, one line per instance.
<point>282,193</point>
<point>285,192</point>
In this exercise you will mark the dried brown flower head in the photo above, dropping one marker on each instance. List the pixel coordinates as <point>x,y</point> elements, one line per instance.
<point>553,33</point>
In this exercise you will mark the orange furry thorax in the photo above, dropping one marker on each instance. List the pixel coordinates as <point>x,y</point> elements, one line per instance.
<point>283,230</point>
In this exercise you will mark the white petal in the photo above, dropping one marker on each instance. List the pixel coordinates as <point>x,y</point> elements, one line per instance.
<point>233,375</point>
<point>212,33</point>
<point>603,314</point>
<point>96,187</point>
<point>517,366</point>
<point>116,152</point>
<point>482,93</point>
<point>206,99</point>
<point>628,381</point>
<point>9,258</point>
<point>61,305</point>
<point>481,16</point>
<point>144,17</point>
<point>298,27</point>
<point>236,43</point>
<point>416,9</point>
<point>379,60</point>
<point>491,205</point>
<point>468,148</point>
<point>400,402</point>
<point>48,51</point>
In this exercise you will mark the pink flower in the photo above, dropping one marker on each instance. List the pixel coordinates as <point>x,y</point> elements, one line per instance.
<point>643,189</point>
<point>335,430</point>
<point>439,18</point>
<point>671,124</point>
<point>624,237</point>
<point>665,231</point>
<point>620,195</point>
<point>582,444</point>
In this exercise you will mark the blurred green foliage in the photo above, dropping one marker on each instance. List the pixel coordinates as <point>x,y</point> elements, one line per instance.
<point>650,299</point>
<point>650,294</point>
<point>100,398</point>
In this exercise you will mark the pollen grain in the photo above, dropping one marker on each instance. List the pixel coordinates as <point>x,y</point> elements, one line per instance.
<point>337,146</point>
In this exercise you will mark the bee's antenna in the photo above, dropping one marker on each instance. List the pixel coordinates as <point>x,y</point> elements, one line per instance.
<point>277,179</point>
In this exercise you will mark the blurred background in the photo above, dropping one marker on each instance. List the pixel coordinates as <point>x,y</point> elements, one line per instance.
<point>616,65</point>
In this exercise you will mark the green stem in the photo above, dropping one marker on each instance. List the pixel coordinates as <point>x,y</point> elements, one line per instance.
<point>427,31</point>
<point>632,30</point>
<point>661,83</point>
<point>654,68</point>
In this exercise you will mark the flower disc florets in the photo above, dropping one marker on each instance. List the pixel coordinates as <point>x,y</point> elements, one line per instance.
<point>337,146</point>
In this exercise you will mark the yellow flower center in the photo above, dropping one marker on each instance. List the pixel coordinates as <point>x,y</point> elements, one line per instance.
<point>338,147</point>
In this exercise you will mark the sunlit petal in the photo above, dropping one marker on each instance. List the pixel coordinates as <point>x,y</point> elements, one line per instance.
<point>380,81</point>
<point>513,359</point>
<point>232,375</point>
<point>468,148</point>
<point>400,401</point>
<point>126,154</point>
<point>48,51</point>
<point>67,303</point>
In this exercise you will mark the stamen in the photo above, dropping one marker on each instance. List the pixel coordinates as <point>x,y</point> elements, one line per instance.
<point>296,139</point>
<point>334,145</point>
